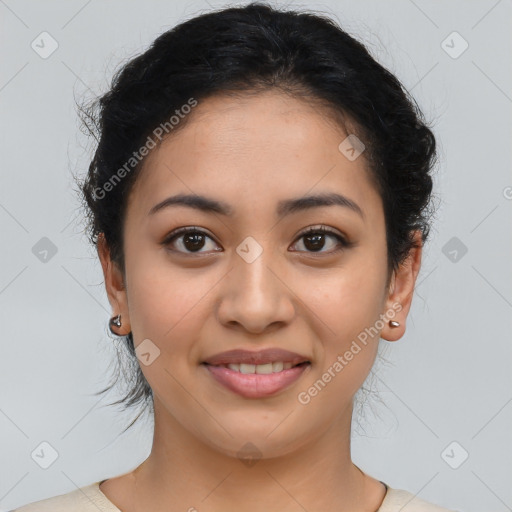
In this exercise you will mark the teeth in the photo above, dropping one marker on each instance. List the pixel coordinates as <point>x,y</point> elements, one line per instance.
<point>247,368</point>
<point>277,366</point>
<point>263,369</point>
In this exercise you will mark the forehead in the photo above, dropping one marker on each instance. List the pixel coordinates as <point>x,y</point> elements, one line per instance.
<point>255,149</point>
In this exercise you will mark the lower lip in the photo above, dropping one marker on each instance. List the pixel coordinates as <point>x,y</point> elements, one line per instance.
<point>254,385</point>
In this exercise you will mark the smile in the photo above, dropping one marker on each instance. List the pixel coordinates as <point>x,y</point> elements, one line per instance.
<point>257,381</point>
<point>261,369</point>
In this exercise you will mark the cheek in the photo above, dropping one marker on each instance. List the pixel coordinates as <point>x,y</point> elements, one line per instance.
<point>350,309</point>
<point>350,303</point>
<point>350,299</point>
<point>166,308</point>
<point>165,303</point>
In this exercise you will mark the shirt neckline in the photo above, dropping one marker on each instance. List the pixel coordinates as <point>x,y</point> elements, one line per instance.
<point>114,507</point>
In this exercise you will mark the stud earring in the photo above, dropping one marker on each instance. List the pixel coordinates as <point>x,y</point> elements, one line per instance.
<point>115,321</point>
<point>392,323</point>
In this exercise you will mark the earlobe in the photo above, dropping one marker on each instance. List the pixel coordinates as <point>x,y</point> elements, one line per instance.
<point>401,291</point>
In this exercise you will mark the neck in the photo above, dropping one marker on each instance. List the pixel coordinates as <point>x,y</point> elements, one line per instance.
<point>187,473</point>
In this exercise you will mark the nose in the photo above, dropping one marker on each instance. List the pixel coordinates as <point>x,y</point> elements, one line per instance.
<point>255,296</point>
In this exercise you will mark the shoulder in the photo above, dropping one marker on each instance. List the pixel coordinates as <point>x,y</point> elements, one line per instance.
<point>84,499</point>
<point>398,500</point>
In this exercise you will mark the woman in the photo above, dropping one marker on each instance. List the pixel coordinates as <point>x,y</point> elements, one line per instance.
<point>259,200</point>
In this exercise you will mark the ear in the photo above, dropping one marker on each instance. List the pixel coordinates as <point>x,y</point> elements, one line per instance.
<point>114,285</point>
<point>401,290</point>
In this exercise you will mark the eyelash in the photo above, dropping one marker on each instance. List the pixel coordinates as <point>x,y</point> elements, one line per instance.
<point>344,244</point>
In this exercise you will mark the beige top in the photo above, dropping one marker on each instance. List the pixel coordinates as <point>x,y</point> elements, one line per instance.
<point>91,499</point>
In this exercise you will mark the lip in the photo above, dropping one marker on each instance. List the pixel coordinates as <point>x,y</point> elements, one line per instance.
<point>269,355</point>
<point>256,385</point>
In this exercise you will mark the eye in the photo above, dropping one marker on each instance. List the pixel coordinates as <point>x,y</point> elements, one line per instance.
<point>314,239</point>
<point>191,239</point>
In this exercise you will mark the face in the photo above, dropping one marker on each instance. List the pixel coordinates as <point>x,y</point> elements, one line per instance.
<point>252,278</point>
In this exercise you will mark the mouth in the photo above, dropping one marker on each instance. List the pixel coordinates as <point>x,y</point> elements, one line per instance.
<point>256,374</point>
<point>260,369</point>
<point>256,381</point>
<point>246,359</point>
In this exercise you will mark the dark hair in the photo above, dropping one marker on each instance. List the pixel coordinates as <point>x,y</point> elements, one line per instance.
<point>244,50</point>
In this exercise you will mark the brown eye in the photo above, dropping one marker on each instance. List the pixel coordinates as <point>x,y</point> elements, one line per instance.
<point>315,240</point>
<point>190,240</point>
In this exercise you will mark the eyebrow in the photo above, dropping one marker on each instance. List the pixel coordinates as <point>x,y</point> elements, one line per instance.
<point>284,207</point>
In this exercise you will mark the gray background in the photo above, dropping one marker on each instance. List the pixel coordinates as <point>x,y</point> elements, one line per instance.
<point>447,380</point>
